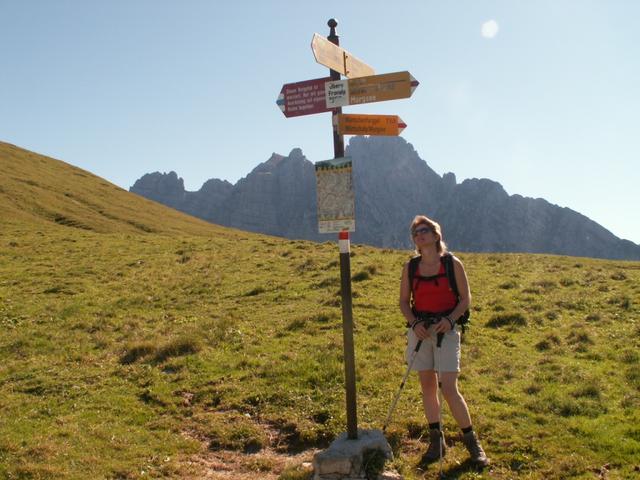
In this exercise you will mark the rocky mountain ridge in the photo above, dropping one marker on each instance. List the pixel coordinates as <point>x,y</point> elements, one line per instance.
<point>392,184</point>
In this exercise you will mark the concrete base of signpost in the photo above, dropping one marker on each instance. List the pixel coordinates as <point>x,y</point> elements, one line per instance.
<point>344,459</point>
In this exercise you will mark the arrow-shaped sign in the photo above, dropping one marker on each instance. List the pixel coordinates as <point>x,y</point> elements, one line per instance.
<point>303,98</point>
<point>322,94</point>
<point>375,88</point>
<point>338,59</point>
<point>380,125</point>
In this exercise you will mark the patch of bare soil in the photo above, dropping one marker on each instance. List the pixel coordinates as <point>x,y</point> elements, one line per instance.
<point>267,464</point>
<point>224,465</point>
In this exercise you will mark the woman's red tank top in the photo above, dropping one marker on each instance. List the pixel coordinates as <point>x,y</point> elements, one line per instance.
<point>433,295</point>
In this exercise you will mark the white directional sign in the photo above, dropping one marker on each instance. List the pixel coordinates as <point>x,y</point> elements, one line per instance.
<point>338,59</point>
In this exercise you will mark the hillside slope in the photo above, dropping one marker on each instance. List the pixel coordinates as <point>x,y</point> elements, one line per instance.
<point>217,353</point>
<point>38,190</point>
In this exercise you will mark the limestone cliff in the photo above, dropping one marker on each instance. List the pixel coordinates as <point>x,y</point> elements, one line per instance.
<point>392,184</point>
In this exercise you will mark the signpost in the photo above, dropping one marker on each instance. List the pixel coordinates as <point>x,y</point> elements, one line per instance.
<point>336,205</point>
<point>345,276</point>
<point>389,125</point>
<point>331,55</point>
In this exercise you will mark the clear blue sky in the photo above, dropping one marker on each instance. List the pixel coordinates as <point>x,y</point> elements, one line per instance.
<point>549,106</point>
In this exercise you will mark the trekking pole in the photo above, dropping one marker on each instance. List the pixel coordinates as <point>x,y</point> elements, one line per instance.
<point>406,375</point>
<point>438,345</point>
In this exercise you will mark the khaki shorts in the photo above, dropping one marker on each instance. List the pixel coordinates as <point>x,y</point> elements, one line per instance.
<point>429,354</point>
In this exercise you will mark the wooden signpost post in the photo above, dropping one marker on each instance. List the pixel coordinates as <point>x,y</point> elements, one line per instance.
<point>330,94</point>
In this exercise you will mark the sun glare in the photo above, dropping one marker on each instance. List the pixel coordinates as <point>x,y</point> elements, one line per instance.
<point>489,29</point>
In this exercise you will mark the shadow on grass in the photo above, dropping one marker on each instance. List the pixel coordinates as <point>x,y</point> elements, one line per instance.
<point>158,354</point>
<point>465,467</point>
<point>450,473</point>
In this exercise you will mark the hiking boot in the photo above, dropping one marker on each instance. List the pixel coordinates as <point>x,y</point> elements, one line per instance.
<point>436,439</point>
<point>478,456</point>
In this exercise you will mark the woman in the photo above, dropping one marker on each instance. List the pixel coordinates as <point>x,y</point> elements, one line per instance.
<point>432,309</point>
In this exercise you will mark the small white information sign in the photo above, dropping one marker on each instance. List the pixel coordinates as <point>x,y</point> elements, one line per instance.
<point>335,197</point>
<point>337,93</point>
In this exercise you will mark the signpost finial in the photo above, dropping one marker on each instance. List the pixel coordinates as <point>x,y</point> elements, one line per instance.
<point>332,23</point>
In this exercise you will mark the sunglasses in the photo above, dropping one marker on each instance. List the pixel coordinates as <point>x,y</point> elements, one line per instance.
<point>418,231</point>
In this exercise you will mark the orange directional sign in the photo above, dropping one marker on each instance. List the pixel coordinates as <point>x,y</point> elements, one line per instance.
<point>382,125</point>
<point>374,88</point>
<point>338,59</point>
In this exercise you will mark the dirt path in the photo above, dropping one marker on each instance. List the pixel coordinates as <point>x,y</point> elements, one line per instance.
<point>267,464</point>
<point>225,465</point>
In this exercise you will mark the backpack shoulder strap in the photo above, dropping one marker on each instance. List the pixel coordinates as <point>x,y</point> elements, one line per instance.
<point>413,268</point>
<point>447,260</point>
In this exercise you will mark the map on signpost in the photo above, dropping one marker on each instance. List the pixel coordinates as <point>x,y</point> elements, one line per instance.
<point>336,201</point>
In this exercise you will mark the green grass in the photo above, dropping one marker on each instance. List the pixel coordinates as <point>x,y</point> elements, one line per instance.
<point>125,352</point>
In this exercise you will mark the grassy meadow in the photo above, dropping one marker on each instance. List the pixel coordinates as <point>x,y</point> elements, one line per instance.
<point>137,342</point>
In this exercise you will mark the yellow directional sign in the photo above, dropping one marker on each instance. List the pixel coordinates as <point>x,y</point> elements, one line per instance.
<point>338,59</point>
<point>375,88</point>
<point>379,125</point>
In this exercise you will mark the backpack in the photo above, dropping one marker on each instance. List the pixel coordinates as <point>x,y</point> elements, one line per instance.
<point>447,260</point>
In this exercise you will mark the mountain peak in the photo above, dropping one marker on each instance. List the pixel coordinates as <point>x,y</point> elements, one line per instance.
<point>296,153</point>
<point>393,184</point>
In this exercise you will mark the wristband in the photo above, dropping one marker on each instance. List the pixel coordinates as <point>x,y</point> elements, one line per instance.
<point>451,322</point>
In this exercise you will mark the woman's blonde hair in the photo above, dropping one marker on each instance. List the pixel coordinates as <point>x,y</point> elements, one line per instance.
<point>441,247</point>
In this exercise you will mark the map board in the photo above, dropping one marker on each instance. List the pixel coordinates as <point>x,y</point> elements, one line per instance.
<point>336,201</point>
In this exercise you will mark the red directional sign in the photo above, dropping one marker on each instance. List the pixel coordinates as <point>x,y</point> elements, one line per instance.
<point>303,98</point>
